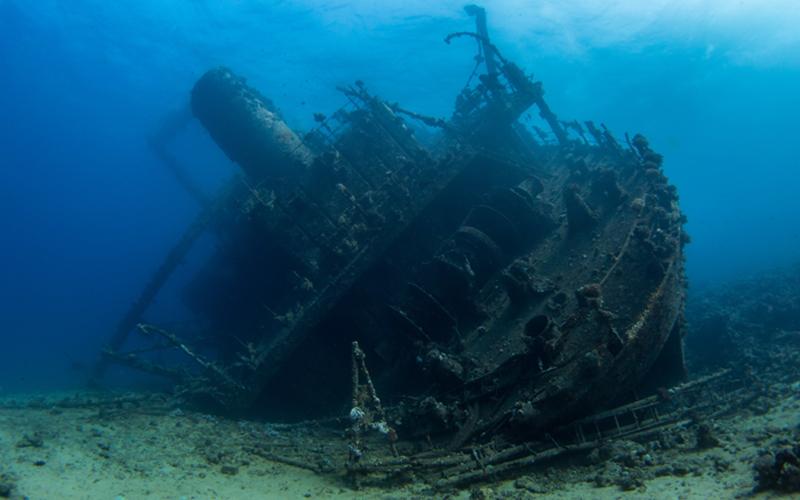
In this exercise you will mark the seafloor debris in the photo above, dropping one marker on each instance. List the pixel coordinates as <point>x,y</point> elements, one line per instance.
<point>33,440</point>
<point>751,326</point>
<point>704,435</point>
<point>779,470</point>
<point>505,278</point>
<point>752,323</point>
<point>627,447</point>
<point>8,487</point>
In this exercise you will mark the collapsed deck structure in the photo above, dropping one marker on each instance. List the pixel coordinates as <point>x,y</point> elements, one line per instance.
<point>500,280</point>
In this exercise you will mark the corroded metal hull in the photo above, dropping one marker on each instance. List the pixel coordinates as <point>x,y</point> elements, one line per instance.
<point>519,280</point>
<point>501,279</point>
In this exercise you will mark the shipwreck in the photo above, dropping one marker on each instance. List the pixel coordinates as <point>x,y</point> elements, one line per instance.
<point>515,273</point>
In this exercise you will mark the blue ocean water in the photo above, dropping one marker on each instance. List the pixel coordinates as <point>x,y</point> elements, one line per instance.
<point>87,212</point>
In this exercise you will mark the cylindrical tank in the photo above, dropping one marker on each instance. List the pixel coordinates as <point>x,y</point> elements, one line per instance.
<point>248,128</point>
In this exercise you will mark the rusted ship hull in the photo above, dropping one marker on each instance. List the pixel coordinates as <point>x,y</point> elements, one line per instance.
<point>502,279</point>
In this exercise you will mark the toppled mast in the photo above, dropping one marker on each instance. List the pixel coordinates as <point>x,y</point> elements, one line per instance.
<point>504,85</point>
<point>495,282</point>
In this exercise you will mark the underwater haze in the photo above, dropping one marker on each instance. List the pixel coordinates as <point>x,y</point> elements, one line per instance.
<point>87,211</point>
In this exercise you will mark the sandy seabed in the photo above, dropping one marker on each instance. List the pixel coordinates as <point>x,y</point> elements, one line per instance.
<point>49,452</point>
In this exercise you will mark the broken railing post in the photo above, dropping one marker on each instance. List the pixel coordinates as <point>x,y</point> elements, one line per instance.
<point>366,412</point>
